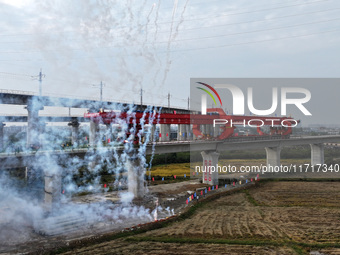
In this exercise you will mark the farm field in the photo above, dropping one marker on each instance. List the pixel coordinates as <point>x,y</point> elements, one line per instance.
<point>292,217</point>
<point>179,169</point>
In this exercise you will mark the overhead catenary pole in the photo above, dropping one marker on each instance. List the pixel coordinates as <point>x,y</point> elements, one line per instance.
<point>39,77</point>
<point>169,100</point>
<point>101,91</point>
<point>141,96</point>
<point>101,85</point>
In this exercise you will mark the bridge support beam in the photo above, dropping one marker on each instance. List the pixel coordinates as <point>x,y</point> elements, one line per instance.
<point>210,163</point>
<point>273,156</point>
<point>317,154</point>
<point>52,191</point>
<point>152,131</point>
<point>136,174</point>
<point>75,131</point>
<point>34,127</point>
<point>108,133</point>
<point>165,133</point>
<point>182,132</point>
<point>1,136</point>
<point>209,130</point>
<point>93,136</point>
<point>216,130</point>
<point>190,132</point>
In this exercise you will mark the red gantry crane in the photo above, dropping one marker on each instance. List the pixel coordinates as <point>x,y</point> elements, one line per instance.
<point>227,123</point>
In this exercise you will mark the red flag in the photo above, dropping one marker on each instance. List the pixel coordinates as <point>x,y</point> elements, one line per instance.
<point>209,189</point>
<point>105,185</point>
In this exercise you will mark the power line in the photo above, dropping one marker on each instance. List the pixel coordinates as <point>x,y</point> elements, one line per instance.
<point>209,16</point>
<point>188,39</point>
<point>253,31</point>
<point>15,74</point>
<point>261,20</point>
<point>259,41</point>
<point>247,12</point>
<point>192,49</point>
<point>213,26</point>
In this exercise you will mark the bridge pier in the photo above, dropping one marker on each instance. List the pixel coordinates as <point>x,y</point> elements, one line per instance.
<point>34,127</point>
<point>136,174</point>
<point>165,133</point>
<point>273,156</point>
<point>1,136</point>
<point>317,154</point>
<point>209,130</point>
<point>52,191</point>
<point>216,130</point>
<point>75,131</point>
<point>210,163</point>
<point>182,132</point>
<point>190,132</point>
<point>152,131</point>
<point>108,132</point>
<point>93,135</point>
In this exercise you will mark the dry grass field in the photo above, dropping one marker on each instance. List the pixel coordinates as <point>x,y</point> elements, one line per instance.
<point>272,218</point>
<point>179,169</point>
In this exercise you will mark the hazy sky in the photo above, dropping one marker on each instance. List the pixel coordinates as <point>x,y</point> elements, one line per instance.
<point>160,45</point>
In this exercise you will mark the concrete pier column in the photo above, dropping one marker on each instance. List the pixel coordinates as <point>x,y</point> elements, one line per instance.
<point>203,129</point>
<point>209,130</point>
<point>1,136</point>
<point>75,131</point>
<point>152,130</point>
<point>93,136</point>
<point>182,132</point>
<point>189,132</point>
<point>52,191</point>
<point>136,174</point>
<point>216,130</point>
<point>317,154</point>
<point>273,156</point>
<point>210,163</point>
<point>165,133</point>
<point>33,123</point>
<point>108,133</point>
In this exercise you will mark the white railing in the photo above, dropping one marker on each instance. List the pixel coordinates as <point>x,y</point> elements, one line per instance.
<point>107,100</point>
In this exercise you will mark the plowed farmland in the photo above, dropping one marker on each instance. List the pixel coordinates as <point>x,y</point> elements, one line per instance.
<point>271,218</point>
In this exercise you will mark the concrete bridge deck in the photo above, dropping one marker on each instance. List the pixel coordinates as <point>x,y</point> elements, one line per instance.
<point>20,159</point>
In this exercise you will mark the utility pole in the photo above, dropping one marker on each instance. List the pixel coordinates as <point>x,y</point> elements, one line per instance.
<point>141,96</point>
<point>169,100</point>
<point>39,77</point>
<point>101,85</point>
<point>188,103</point>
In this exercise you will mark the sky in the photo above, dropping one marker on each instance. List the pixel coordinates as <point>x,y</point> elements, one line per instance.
<point>157,46</point>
